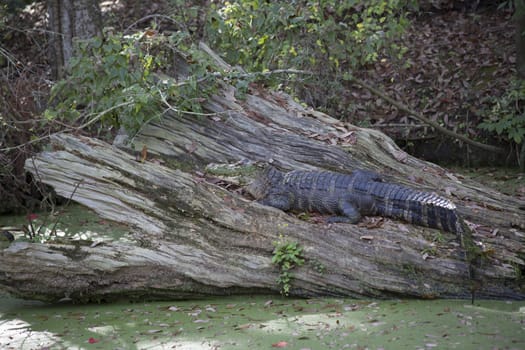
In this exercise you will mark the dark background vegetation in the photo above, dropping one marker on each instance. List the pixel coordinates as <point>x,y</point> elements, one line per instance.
<point>453,61</point>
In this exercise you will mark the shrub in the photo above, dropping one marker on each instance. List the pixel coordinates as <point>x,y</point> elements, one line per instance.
<point>114,81</point>
<point>506,118</point>
<point>329,38</point>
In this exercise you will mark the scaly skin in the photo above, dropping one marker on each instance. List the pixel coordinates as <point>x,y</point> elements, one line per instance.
<point>349,196</point>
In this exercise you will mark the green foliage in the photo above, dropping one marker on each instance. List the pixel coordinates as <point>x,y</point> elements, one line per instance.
<point>114,79</point>
<point>507,116</point>
<point>16,5</point>
<point>518,5</point>
<point>264,35</point>
<point>328,38</point>
<point>286,256</point>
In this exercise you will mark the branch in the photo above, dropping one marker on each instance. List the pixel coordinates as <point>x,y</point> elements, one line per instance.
<point>226,67</point>
<point>424,119</point>
<point>86,124</point>
<point>155,15</point>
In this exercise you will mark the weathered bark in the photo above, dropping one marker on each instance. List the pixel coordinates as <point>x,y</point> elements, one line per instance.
<point>519,17</point>
<point>70,20</point>
<point>194,238</point>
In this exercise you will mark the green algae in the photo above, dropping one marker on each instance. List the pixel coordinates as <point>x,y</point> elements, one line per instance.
<point>263,322</point>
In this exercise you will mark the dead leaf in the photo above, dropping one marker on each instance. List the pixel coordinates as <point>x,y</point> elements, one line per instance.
<point>280,344</point>
<point>244,326</point>
<point>449,190</point>
<point>400,156</point>
<point>415,179</point>
<point>201,321</point>
<point>192,147</point>
<point>157,161</point>
<point>153,331</point>
<point>150,32</point>
<point>340,127</point>
<point>349,138</point>
<point>94,244</point>
<point>372,222</point>
<point>144,154</point>
<point>346,134</point>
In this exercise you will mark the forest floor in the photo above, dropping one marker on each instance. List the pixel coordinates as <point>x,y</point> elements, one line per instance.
<point>459,65</point>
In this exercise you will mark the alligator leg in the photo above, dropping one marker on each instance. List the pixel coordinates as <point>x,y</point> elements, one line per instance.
<point>350,212</point>
<point>277,201</point>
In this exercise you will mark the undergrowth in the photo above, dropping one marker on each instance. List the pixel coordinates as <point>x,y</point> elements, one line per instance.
<point>507,118</point>
<point>119,80</point>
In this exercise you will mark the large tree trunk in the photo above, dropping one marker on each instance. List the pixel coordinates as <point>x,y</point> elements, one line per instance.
<point>70,20</point>
<point>193,238</point>
<point>519,17</point>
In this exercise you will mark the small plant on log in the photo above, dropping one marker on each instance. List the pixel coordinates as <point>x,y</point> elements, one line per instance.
<point>286,256</point>
<point>318,266</point>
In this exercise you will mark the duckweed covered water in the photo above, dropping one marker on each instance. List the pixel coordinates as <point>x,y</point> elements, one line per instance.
<point>259,322</point>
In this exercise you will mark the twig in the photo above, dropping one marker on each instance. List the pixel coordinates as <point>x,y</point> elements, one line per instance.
<point>155,16</point>
<point>66,205</point>
<point>227,67</point>
<point>86,124</point>
<point>42,192</point>
<point>424,119</point>
<point>172,108</point>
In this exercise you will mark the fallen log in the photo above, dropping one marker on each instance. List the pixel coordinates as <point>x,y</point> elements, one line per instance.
<point>193,238</point>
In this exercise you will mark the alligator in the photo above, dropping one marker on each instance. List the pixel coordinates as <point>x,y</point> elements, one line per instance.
<point>349,196</point>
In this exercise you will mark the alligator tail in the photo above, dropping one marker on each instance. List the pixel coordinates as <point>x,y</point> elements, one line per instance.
<point>417,207</point>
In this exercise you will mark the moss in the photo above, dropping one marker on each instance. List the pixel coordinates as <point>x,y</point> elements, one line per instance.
<point>174,163</point>
<point>410,270</point>
<point>231,170</point>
